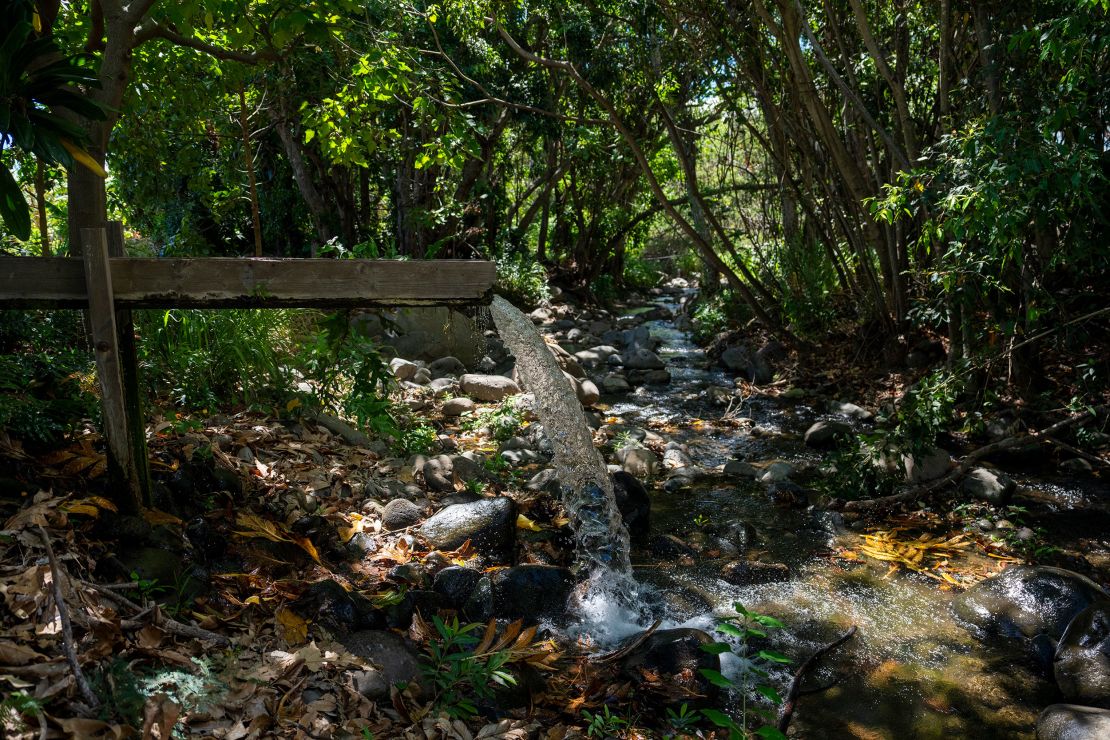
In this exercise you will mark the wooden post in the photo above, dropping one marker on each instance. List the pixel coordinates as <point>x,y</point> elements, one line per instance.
<point>129,374</point>
<point>123,478</point>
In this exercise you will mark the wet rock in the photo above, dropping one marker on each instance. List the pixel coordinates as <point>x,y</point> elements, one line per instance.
<point>667,545</point>
<point>741,469</point>
<point>638,461</point>
<point>490,525</point>
<point>739,359</point>
<point>825,433</point>
<point>479,605</point>
<point>400,513</point>
<point>634,505</point>
<point>402,369</point>
<point>1076,466</point>
<point>753,573</point>
<point>531,592</point>
<point>788,493</point>
<point>445,366</point>
<point>1073,722</point>
<point>775,472</point>
<point>1025,601</point>
<point>929,465</point>
<point>740,534</point>
<point>456,584</point>
<point>488,387</point>
<point>396,658</point>
<point>615,383</point>
<point>337,610</point>
<point>641,358</point>
<point>676,658</point>
<point>851,410</point>
<point>988,485</point>
<point>1082,662</point>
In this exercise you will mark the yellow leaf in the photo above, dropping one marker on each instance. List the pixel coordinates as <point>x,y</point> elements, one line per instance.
<point>292,628</point>
<point>86,509</point>
<point>156,517</point>
<point>253,600</point>
<point>293,403</point>
<point>305,544</point>
<point>82,157</point>
<point>256,526</point>
<point>523,522</point>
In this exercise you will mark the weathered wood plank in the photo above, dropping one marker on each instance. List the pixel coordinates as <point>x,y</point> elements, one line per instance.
<point>123,477</point>
<point>249,282</point>
<point>129,375</point>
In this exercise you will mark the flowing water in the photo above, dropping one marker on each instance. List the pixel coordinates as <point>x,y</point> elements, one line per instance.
<point>911,671</point>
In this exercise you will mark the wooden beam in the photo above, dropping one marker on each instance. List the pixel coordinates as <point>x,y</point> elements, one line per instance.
<point>123,479</point>
<point>129,375</point>
<point>33,282</point>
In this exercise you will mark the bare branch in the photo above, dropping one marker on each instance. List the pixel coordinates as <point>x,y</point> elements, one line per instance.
<point>153,29</point>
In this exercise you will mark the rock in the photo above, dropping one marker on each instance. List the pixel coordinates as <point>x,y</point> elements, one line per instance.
<point>1025,601</point>
<point>490,525</point>
<point>987,485</point>
<point>824,433</point>
<point>634,505</point>
<point>397,660</point>
<point>787,493</point>
<point>739,359</point>
<point>517,458</point>
<point>775,472</point>
<point>337,610</point>
<point>641,358</point>
<point>400,513</point>
<point>546,480</point>
<point>667,545</point>
<point>403,369</point>
<point>458,406</point>
<point>441,387</point>
<point>850,410</point>
<point>444,366</point>
<point>615,383</point>
<point>422,377</point>
<point>531,592</point>
<point>741,469</point>
<point>587,392</point>
<point>456,584</point>
<point>541,315</point>
<point>930,465</point>
<point>675,458</point>
<point>439,473</point>
<point>753,573</point>
<point>1076,466</point>
<point>1073,722</point>
<point>638,461</point>
<point>675,658</point>
<point>487,387</point>
<point>468,468</point>
<point>1082,662</point>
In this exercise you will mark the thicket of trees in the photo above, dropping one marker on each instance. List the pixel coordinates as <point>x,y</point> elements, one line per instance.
<point>894,164</point>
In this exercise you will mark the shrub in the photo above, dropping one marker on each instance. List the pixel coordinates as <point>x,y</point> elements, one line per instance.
<point>522,280</point>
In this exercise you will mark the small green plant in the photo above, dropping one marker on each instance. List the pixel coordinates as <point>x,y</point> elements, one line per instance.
<point>460,670</point>
<point>858,469</point>
<point>123,691</point>
<point>416,439</point>
<point>701,520</point>
<point>14,711</point>
<point>752,676</point>
<point>522,280</point>
<point>148,588</point>
<point>503,422</point>
<point>684,720</point>
<point>604,724</point>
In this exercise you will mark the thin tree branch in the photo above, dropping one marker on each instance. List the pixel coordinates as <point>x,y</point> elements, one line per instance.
<point>67,627</point>
<point>799,675</point>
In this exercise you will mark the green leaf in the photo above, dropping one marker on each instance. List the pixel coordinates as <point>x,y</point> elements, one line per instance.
<point>773,656</point>
<point>716,678</point>
<point>730,629</point>
<point>716,648</point>
<point>13,206</point>
<point>770,733</point>
<point>769,693</point>
<point>720,719</point>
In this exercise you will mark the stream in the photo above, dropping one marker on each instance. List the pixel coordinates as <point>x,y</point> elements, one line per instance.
<point>911,670</point>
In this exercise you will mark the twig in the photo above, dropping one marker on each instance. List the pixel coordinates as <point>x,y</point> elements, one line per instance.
<point>969,460</point>
<point>67,628</point>
<point>617,654</point>
<point>169,625</point>
<point>1093,459</point>
<point>800,674</point>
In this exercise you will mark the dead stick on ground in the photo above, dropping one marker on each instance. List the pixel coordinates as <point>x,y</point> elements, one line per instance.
<point>969,460</point>
<point>67,628</point>
<point>169,625</point>
<point>799,675</point>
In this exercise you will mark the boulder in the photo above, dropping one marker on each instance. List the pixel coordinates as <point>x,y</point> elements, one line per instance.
<point>634,505</point>
<point>776,472</point>
<point>439,473</point>
<point>824,433</point>
<point>851,410</point>
<point>445,366</point>
<point>674,658</point>
<point>1082,662</point>
<point>1026,601</point>
<point>641,358</point>
<point>638,461</point>
<point>753,573</point>
<point>458,406</point>
<point>531,592</point>
<point>403,369</point>
<point>1073,722</point>
<point>488,387</point>
<point>456,584</point>
<point>400,513</point>
<point>396,659</point>
<point>587,392</point>
<point>739,359</point>
<point>988,485</point>
<point>489,524</point>
<point>929,465</point>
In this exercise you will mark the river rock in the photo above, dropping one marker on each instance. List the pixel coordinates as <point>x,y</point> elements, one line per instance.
<point>675,658</point>
<point>929,465</point>
<point>1076,466</point>
<point>1082,662</point>
<point>775,472</point>
<point>456,584</point>
<point>1025,601</point>
<point>638,461</point>
<point>753,573</point>
<point>587,392</point>
<point>641,358</point>
<point>851,410</point>
<point>634,505</point>
<point>446,366</point>
<point>741,469</point>
<point>400,513</point>
<point>825,432</point>
<point>1073,722</point>
<point>439,473</point>
<point>488,387</point>
<point>739,359</point>
<point>615,383</point>
<point>489,524</point>
<point>396,659</point>
<point>402,369</point>
<point>988,485</point>
<point>458,406</point>
<point>531,592</point>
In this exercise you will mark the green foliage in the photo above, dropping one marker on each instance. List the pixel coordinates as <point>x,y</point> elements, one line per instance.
<point>46,375</point>
<point>640,273</point>
<point>503,421</point>
<point>752,675</point>
<point>123,691</point>
<point>685,719</point>
<point>15,710</point>
<point>604,724</point>
<point>460,676</point>
<point>415,438</point>
<point>927,409</point>
<point>521,280</point>
<point>715,314</point>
